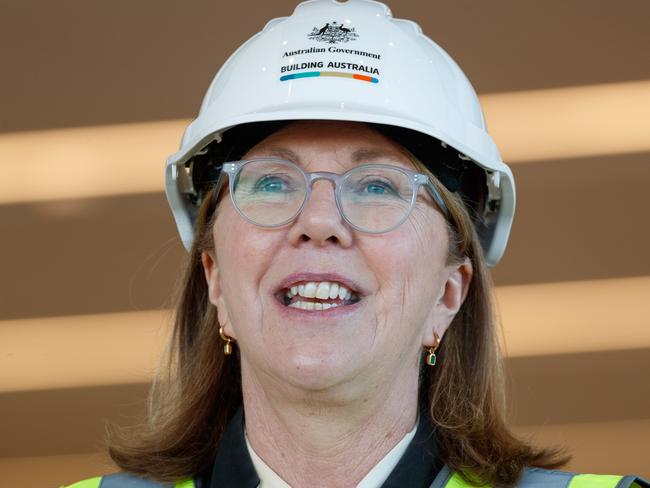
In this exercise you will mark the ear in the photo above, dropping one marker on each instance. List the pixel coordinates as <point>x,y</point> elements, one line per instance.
<point>452,295</point>
<point>213,280</point>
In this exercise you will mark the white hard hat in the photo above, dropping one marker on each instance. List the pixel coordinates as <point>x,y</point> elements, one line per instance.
<point>351,61</point>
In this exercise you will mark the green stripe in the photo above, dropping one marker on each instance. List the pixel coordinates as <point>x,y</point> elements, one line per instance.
<point>185,484</point>
<point>457,482</point>
<point>89,483</point>
<point>594,481</point>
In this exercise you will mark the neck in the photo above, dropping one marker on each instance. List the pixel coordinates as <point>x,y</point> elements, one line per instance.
<point>331,437</point>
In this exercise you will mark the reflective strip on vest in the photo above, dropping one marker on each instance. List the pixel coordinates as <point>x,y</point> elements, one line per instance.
<point>533,478</point>
<point>595,481</point>
<point>123,480</point>
<point>543,478</point>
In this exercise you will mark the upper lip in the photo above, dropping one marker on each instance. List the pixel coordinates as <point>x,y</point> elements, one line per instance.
<point>295,278</point>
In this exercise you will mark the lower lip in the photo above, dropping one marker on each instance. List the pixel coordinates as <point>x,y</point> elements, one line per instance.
<point>333,312</point>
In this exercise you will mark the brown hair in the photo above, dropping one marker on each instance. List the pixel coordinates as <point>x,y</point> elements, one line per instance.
<point>466,395</point>
<point>198,389</point>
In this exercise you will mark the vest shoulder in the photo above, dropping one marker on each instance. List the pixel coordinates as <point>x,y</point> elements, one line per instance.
<point>538,477</point>
<point>547,478</point>
<point>125,480</point>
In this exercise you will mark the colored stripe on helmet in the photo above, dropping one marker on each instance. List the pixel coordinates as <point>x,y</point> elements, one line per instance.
<point>337,74</point>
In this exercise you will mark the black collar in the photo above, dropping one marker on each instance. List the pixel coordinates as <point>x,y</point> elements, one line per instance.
<point>420,463</point>
<point>233,468</point>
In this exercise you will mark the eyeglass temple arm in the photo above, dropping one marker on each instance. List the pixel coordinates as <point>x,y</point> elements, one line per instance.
<point>221,179</point>
<point>433,191</point>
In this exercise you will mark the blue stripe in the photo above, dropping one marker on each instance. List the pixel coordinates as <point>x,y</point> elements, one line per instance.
<point>310,74</point>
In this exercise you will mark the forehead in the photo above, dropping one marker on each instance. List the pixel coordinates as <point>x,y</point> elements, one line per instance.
<point>345,143</point>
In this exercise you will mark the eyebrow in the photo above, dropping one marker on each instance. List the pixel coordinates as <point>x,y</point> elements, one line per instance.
<point>369,153</point>
<point>360,155</point>
<point>282,153</point>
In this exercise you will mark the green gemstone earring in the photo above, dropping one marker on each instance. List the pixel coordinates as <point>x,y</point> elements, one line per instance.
<point>431,352</point>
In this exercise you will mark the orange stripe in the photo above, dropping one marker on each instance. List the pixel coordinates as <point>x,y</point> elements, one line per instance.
<point>362,77</point>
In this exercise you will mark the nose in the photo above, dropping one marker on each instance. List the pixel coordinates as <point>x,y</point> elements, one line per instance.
<point>320,221</point>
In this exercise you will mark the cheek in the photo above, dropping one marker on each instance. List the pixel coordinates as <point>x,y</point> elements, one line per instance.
<point>429,230</point>
<point>430,245</point>
<point>240,245</point>
<point>409,262</point>
<point>418,247</point>
<point>244,253</point>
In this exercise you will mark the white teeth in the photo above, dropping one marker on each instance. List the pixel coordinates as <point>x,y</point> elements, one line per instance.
<point>313,305</point>
<point>322,290</point>
<point>310,290</point>
<point>334,290</point>
<point>343,292</point>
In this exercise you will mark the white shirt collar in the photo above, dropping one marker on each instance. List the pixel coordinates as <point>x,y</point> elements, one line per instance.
<point>374,479</point>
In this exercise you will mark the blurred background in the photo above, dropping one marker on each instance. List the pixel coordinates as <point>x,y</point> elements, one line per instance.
<point>93,97</point>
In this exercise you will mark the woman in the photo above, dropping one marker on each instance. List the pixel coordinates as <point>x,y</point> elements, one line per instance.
<point>340,200</point>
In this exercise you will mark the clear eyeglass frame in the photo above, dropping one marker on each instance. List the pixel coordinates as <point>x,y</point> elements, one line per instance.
<point>233,168</point>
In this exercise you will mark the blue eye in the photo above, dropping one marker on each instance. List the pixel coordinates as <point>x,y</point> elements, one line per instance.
<point>376,188</point>
<point>270,184</point>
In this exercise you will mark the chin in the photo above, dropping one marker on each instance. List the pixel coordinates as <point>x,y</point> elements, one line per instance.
<point>320,370</point>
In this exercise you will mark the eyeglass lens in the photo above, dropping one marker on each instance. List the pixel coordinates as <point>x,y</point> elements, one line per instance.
<point>373,198</point>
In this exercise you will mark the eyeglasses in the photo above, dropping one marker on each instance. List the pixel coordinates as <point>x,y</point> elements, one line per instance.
<point>372,198</point>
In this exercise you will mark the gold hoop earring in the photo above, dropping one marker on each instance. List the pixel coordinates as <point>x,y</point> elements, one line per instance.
<point>227,347</point>
<point>431,352</point>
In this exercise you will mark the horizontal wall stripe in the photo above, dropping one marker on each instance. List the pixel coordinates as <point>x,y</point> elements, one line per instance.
<point>86,161</point>
<point>119,253</point>
<point>570,122</point>
<point>597,447</point>
<point>598,315</point>
<point>578,387</point>
<point>58,352</point>
<point>92,256</point>
<point>128,158</point>
<point>66,420</point>
<point>595,387</point>
<point>81,350</point>
<point>92,76</point>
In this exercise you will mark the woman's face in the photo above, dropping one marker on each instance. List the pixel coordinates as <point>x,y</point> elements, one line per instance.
<point>405,290</point>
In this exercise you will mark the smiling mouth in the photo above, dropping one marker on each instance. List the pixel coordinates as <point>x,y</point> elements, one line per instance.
<point>318,295</point>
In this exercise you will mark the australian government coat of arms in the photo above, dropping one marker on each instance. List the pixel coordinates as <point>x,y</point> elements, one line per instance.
<point>333,33</point>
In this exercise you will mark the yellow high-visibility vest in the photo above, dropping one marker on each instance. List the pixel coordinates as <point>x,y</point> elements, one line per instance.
<point>533,478</point>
